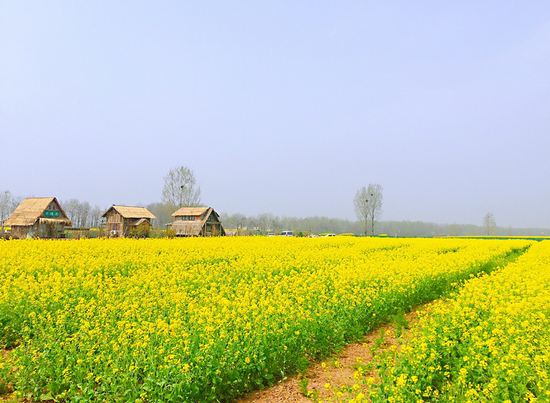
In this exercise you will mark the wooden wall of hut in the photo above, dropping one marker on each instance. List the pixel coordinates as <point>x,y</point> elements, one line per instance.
<point>19,232</point>
<point>114,224</point>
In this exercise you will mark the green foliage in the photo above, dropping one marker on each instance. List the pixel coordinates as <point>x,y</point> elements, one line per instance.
<point>6,376</point>
<point>162,233</point>
<point>379,341</point>
<point>4,388</point>
<point>140,231</point>
<point>96,232</point>
<point>169,233</point>
<point>400,322</point>
<point>302,384</point>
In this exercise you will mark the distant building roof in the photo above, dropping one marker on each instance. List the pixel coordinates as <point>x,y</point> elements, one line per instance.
<point>30,210</point>
<point>190,211</point>
<point>130,212</point>
<point>141,221</point>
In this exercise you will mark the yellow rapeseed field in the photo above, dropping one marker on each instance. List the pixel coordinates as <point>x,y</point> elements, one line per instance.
<point>205,319</point>
<point>488,343</point>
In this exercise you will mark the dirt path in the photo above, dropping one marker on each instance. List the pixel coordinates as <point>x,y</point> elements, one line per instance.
<point>336,371</point>
<point>6,395</point>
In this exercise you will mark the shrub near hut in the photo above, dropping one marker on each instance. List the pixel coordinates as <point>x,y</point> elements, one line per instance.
<point>140,231</point>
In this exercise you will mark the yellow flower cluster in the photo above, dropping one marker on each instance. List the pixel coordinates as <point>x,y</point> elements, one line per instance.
<point>205,319</point>
<point>488,343</point>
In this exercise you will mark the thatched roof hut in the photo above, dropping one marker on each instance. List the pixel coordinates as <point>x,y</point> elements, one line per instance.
<point>121,220</point>
<point>197,221</point>
<point>40,217</point>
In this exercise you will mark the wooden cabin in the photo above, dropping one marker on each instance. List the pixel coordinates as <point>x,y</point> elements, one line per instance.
<point>40,217</point>
<point>127,221</point>
<point>197,221</point>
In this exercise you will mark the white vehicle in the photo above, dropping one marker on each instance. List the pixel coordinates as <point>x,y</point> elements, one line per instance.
<point>327,235</point>
<point>270,234</point>
<point>287,233</point>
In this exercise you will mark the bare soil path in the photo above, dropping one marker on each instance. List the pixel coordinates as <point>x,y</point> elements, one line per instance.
<point>337,370</point>
<point>6,395</point>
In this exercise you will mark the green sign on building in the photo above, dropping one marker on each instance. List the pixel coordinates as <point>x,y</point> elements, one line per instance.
<point>51,213</point>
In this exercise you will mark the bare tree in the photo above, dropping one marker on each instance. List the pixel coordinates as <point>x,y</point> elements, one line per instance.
<point>71,208</point>
<point>179,188</point>
<point>94,217</point>
<point>252,224</point>
<point>5,204</point>
<point>237,220</point>
<point>489,223</point>
<point>361,203</point>
<point>265,221</point>
<point>83,213</point>
<point>16,201</point>
<point>375,203</point>
<point>163,212</point>
<point>368,205</point>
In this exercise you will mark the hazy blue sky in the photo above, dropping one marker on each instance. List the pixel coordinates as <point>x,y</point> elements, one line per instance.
<point>282,106</point>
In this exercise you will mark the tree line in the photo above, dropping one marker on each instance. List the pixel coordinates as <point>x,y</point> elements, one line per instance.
<point>267,222</point>
<point>8,203</point>
<point>181,190</point>
<point>81,213</point>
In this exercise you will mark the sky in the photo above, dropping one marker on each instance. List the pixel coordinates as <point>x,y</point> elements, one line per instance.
<point>282,106</point>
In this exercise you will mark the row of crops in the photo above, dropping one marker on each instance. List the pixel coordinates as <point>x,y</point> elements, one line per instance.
<point>489,342</point>
<point>206,319</point>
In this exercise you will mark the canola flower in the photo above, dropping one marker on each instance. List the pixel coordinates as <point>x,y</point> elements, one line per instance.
<point>489,343</point>
<point>205,319</point>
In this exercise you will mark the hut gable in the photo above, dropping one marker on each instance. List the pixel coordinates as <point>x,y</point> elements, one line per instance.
<point>120,219</point>
<point>197,221</point>
<point>34,208</point>
<point>38,216</point>
<point>130,212</point>
<point>191,213</point>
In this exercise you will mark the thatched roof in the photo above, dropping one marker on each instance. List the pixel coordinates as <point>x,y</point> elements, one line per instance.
<point>60,220</point>
<point>130,212</point>
<point>141,221</point>
<point>187,228</point>
<point>190,211</point>
<point>31,209</point>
